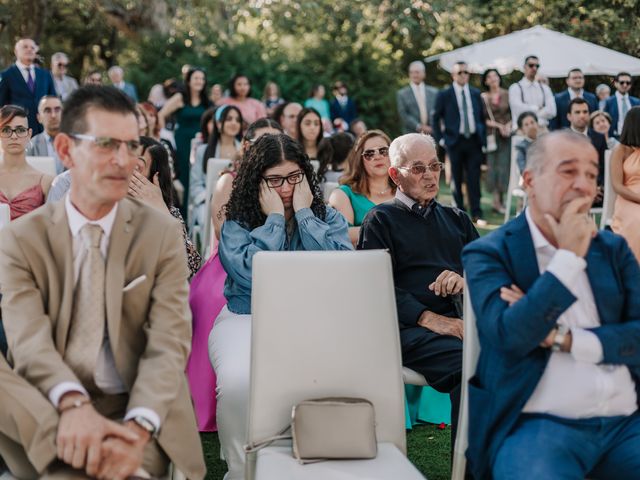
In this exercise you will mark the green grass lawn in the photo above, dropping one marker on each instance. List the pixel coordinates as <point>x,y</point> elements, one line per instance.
<point>427,446</point>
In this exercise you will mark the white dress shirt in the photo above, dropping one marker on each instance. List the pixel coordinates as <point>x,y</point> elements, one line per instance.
<point>420,93</point>
<point>527,96</point>
<point>573,94</point>
<point>576,384</point>
<point>106,376</point>
<point>472,123</point>
<point>622,98</point>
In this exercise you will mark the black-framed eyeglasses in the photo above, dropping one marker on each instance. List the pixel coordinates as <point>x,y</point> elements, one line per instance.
<point>20,132</point>
<point>624,82</point>
<point>108,144</point>
<point>420,168</point>
<point>370,153</point>
<point>533,65</point>
<point>292,179</point>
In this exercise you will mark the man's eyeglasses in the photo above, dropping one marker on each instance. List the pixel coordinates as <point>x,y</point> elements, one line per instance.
<point>292,179</point>
<point>463,72</point>
<point>625,82</point>
<point>370,153</point>
<point>20,132</point>
<point>63,65</point>
<point>108,144</point>
<point>533,65</point>
<point>420,168</point>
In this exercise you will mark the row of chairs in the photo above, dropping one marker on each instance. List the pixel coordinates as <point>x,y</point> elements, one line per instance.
<point>347,347</point>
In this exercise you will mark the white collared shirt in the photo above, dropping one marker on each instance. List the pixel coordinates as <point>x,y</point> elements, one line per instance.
<point>585,132</point>
<point>620,98</point>
<point>573,94</point>
<point>106,374</point>
<point>23,70</point>
<point>527,96</point>
<point>576,384</point>
<point>420,92</point>
<point>472,123</point>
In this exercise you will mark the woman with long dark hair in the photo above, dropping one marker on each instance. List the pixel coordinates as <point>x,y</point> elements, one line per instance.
<point>240,96</point>
<point>309,128</point>
<point>188,106</point>
<point>152,184</point>
<point>275,205</point>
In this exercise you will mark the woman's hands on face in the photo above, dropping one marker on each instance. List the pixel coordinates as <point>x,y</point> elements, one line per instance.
<point>302,196</point>
<point>145,191</point>
<point>270,201</point>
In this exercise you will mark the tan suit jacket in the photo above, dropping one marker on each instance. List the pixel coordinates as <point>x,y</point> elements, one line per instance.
<point>149,325</point>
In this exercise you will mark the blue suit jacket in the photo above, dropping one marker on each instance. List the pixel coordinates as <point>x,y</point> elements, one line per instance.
<point>348,113</point>
<point>14,90</point>
<point>562,108</point>
<point>612,109</point>
<point>511,361</point>
<point>446,111</point>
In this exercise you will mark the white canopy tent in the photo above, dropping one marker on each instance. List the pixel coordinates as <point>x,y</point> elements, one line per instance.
<point>558,53</point>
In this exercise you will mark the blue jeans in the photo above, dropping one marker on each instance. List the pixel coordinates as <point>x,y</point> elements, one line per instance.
<point>544,446</point>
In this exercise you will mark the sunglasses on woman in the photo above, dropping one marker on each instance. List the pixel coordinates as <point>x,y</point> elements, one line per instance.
<point>369,154</point>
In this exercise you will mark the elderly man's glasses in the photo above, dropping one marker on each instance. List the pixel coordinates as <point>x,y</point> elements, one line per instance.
<point>108,144</point>
<point>20,132</point>
<point>292,179</point>
<point>369,154</point>
<point>420,168</point>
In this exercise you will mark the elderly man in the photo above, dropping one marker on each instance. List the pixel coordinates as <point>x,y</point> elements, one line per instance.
<point>24,84</point>
<point>425,240</point>
<point>49,115</point>
<point>64,83</point>
<point>555,392</point>
<point>416,101</point>
<point>95,306</point>
<point>116,75</point>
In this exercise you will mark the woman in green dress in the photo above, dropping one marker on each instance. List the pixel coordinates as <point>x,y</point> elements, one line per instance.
<point>188,106</point>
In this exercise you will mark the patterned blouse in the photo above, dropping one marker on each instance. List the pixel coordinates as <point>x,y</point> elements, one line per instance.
<point>193,257</point>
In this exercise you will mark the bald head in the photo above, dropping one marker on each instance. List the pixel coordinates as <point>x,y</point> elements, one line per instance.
<point>539,150</point>
<point>416,72</point>
<point>402,148</point>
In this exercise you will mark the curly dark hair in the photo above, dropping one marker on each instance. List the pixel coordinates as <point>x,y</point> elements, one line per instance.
<point>268,151</point>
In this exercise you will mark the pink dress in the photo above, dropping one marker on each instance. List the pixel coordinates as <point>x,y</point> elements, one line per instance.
<point>25,201</point>
<point>250,108</point>
<point>626,214</point>
<point>206,299</point>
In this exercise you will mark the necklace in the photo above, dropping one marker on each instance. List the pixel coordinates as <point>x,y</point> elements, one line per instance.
<point>384,191</point>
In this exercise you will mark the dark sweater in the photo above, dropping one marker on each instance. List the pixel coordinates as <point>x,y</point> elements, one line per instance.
<point>420,248</point>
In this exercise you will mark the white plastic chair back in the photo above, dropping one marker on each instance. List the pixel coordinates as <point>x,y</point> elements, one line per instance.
<point>609,198</point>
<point>214,167</point>
<point>44,164</point>
<point>316,165</point>
<point>5,215</point>
<point>324,324</point>
<point>470,354</point>
<point>515,179</point>
<point>327,189</point>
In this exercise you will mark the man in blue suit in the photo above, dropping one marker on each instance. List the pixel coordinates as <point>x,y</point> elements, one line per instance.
<point>24,84</point>
<point>555,392</point>
<point>575,89</point>
<point>620,103</point>
<point>459,108</point>
<point>116,75</point>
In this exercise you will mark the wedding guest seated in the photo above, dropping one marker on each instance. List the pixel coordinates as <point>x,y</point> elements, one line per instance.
<point>332,155</point>
<point>275,205</point>
<point>555,390</point>
<point>366,183</point>
<point>151,184</point>
<point>528,126</point>
<point>425,240</point>
<point>223,141</point>
<point>600,122</point>
<point>22,187</point>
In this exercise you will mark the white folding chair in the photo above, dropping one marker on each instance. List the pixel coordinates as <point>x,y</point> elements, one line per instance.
<point>609,197</point>
<point>316,165</point>
<point>5,215</point>
<point>470,353</point>
<point>44,164</point>
<point>515,179</point>
<point>327,189</point>
<point>302,349</point>
<point>202,233</point>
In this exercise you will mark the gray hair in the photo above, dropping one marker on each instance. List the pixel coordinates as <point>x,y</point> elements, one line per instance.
<point>401,145</point>
<point>602,87</point>
<point>115,69</point>
<point>59,56</point>
<point>537,151</point>
<point>417,63</point>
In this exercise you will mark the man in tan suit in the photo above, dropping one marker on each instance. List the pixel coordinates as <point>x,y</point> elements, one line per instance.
<point>94,301</point>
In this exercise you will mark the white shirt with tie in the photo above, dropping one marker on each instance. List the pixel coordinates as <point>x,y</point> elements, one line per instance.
<point>622,99</point>
<point>420,93</point>
<point>24,70</point>
<point>458,91</point>
<point>577,384</point>
<point>106,376</point>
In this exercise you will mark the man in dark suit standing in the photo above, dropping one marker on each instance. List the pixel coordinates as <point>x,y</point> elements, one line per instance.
<point>459,108</point>
<point>620,103</point>
<point>342,107</point>
<point>575,84</point>
<point>578,118</point>
<point>416,102</point>
<point>24,84</point>
<point>555,391</point>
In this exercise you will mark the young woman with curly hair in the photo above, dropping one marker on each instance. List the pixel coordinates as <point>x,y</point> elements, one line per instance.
<point>275,205</point>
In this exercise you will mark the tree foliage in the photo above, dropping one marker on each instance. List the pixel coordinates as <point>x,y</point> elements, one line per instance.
<point>298,43</point>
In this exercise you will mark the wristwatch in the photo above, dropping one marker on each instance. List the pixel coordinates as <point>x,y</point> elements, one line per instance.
<point>145,424</point>
<point>559,338</point>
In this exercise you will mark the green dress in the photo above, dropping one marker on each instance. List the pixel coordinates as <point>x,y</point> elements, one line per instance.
<point>188,125</point>
<point>423,404</point>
